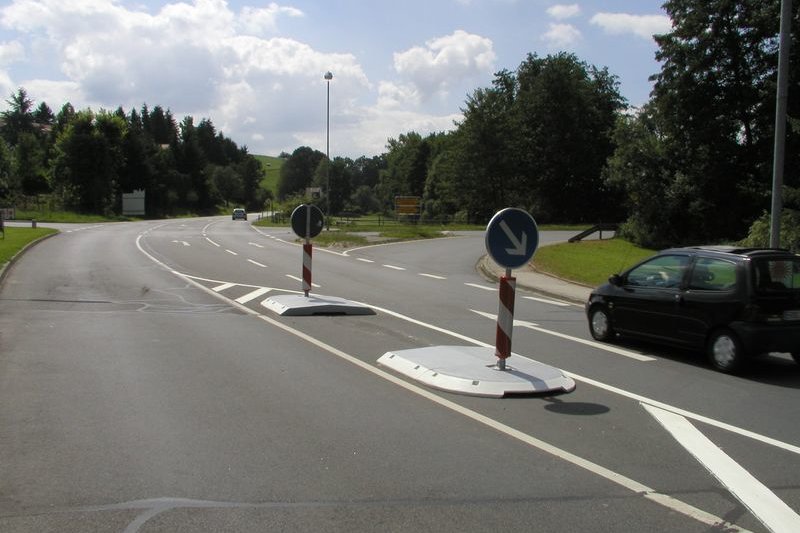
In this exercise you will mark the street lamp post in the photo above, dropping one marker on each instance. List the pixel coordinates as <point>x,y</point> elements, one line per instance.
<point>328,78</point>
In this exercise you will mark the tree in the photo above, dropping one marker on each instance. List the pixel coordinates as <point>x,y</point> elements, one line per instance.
<point>297,171</point>
<point>713,105</point>
<point>88,157</point>
<point>18,119</point>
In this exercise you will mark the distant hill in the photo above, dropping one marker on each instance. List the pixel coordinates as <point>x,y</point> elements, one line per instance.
<point>272,171</point>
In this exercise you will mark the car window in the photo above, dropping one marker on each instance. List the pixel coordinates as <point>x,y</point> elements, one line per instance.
<point>661,271</point>
<point>711,274</point>
<point>776,274</point>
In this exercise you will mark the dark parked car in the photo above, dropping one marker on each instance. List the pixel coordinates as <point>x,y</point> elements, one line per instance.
<point>734,303</point>
<point>239,213</point>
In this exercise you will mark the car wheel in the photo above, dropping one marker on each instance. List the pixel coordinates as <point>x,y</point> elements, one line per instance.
<point>600,323</point>
<point>725,351</point>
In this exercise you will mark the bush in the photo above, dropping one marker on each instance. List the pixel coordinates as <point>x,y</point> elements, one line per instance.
<point>758,236</point>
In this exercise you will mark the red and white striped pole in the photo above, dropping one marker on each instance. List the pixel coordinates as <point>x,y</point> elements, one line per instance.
<point>307,267</point>
<point>505,319</point>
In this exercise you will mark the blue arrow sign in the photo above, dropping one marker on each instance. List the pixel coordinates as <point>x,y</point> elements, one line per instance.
<point>307,221</point>
<point>512,237</point>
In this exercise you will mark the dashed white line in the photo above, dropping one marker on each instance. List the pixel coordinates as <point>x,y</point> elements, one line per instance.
<point>212,242</point>
<point>231,252</point>
<point>255,244</point>
<point>364,260</point>
<point>256,263</point>
<point>394,267</point>
<point>484,287</point>
<point>432,276</point>
<point>253,295</point>
<point>224,286</point>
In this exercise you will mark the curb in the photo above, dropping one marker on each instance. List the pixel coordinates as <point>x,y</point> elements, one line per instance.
<point>489,271</point>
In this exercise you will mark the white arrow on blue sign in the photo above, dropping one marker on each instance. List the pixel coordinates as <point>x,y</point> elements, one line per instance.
<point>512,237</point>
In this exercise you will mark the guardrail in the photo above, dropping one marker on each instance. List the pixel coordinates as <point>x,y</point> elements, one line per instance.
<point>597,227</point>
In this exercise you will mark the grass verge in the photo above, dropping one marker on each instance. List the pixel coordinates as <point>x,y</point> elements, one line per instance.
<point>18,238</point>
<point>588,262</point>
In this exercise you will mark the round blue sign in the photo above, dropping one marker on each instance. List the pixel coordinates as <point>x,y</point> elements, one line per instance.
<point>512,237</point>
<point>307,221</point>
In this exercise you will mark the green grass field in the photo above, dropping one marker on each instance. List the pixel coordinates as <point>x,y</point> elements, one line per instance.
<point>588,262</point>
<point>18,238</point>
<point>272,171</point>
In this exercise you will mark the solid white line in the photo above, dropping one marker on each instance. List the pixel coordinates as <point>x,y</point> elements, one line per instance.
<point>253,295</point>
<point>224,286</point>
<point>231,252</point>
<point>364,260</point>
<point>432,276</point>
<point>593,344</point>
<point>394,267</point>
<point>256,263</point>
<point>212,242</point>
<point>646,492</point>
<point>759,499</point>
<point>484,287</point>
<point>548,301</point>
<point>301,280</point>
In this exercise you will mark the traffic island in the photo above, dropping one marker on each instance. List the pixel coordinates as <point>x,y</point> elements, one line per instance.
<point>469,370</point>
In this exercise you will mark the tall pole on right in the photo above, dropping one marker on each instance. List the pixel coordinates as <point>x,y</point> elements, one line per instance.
<point>780,124</point>
<point>328,78</point>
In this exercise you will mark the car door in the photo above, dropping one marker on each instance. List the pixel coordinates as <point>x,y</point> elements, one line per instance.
<point>646,302</point>
<point>711,298</point>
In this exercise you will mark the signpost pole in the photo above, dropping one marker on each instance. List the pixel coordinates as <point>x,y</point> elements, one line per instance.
<point>307,255</point>
<point>505,319</point>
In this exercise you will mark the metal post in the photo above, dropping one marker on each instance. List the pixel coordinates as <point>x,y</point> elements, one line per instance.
<point>328,78</point>
<point>780,124</point>
<point>505,319</point>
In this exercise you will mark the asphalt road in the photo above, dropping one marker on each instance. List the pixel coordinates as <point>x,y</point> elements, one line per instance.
<point>143,387</point>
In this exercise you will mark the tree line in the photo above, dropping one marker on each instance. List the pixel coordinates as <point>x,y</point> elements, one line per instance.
<point>86,160</point>
<point>553,136</point>
<point>693,165</point>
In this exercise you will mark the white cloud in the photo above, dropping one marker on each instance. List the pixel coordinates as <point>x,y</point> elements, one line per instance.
<point>444,61</point>
<point>562,36</point>
<point>564,11</point>
<point>256,21</point>
<point>11,52</point>
<point>200,58</point>
<point>644,26</point>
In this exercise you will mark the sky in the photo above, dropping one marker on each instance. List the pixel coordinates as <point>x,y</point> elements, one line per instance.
<point>256,68</point>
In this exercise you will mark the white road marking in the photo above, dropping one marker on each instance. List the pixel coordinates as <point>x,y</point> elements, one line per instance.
<point>484,287</point>
<point>301,280</point>
<point>548,301</point>
<point>212,242</point>
<point>182,242</point>
<point>364,260</point>
<point>661,499</point>
<point>516,322</point>
<point>253,295</point>
<point>432,276</point>
<point>630,484</point>
<point>231,252</point>
<point>759,499</point>
<point>394,267</point>
<point>224,286</point>
<point>255,244</point>
<point>593,344</point>
<point>256,263</point>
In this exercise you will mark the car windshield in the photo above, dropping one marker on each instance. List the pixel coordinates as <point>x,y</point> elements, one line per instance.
<point>775,274</point>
